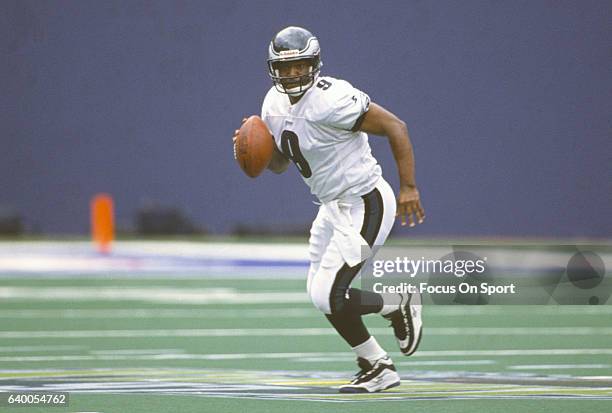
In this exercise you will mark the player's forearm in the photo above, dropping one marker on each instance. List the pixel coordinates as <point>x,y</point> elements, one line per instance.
<point>379,121</point>
<point>401,147</point>
<point>279,163</point>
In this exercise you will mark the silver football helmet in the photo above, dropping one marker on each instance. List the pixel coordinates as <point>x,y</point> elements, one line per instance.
<point>291,44</point>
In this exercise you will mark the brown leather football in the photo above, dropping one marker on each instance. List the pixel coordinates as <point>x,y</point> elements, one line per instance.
<point>254,146</point>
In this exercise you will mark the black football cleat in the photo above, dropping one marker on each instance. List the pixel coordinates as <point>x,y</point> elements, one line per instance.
<point>407,323</point>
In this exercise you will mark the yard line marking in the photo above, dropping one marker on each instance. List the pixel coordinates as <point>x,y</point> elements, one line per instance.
<point>462,310</point>
<point>154,294</point>
<point>143,351</point>
<point>349,357</point>
<point>49,358</point>
<point>305,356</point>
<point>515,352</point>
<point>558,366</point>
<point>285,312</point>
<point>26,349</point>
<point>163,313</point>
<point>290,332</point>
<point>520,331</point>
<point>447,363</point>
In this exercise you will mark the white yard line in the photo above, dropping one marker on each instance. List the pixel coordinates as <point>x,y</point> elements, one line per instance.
<point>331,356</point>
<point>154,294</point>
<point>462,310</point>
<point>558,366</point>
<point>515,352</point>
<point>446,363</point>
<point>27,349</point>
<point>163,313</point>
<point>290,332</point>
<point>291,312</point>
<point>137,351</point>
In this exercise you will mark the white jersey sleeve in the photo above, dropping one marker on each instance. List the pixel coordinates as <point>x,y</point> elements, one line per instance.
<point>344,105</point>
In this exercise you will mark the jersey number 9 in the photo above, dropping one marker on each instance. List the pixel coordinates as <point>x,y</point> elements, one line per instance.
<point>290,145</point>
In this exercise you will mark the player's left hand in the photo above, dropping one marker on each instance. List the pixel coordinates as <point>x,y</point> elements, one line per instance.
<point>409,204</point>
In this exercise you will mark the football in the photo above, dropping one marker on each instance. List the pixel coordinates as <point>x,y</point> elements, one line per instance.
<point>254,146</point>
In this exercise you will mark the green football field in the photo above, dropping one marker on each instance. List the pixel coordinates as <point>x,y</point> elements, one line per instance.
<point>141,343</point>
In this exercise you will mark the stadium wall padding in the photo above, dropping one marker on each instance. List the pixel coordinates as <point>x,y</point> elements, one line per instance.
<point>508,105</point>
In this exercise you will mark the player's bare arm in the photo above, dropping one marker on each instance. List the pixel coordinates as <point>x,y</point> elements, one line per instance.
<point>379,121</point>
<point>279,162</point>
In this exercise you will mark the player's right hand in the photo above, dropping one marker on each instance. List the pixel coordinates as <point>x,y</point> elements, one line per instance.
<point>409,204</point>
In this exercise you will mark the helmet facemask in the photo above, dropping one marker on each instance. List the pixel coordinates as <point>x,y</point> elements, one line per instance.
<point>300,83</point>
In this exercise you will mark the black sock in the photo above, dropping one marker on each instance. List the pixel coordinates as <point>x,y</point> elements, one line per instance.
<point>350,327</point>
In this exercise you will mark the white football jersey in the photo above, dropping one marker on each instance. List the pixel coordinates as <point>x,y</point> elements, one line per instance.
<point>315,133</point>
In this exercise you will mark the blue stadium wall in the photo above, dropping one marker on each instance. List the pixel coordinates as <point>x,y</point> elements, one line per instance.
<point>508,105</point>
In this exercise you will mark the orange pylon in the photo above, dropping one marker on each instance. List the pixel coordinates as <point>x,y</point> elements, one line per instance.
<point>102,222</point>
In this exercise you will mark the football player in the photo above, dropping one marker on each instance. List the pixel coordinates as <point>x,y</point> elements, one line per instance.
<point>321,123</point>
